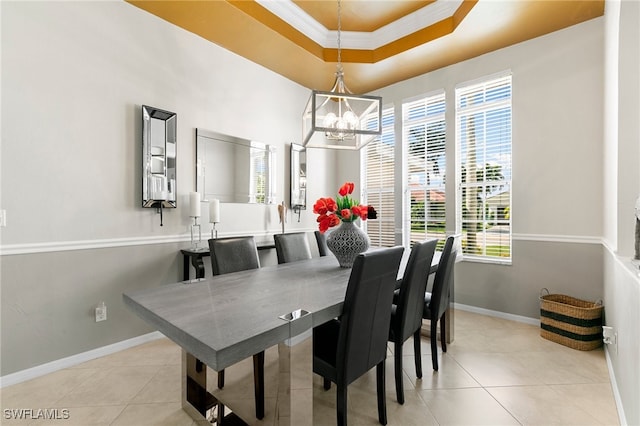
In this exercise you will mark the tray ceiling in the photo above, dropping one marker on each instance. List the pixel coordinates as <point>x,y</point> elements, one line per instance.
<point>382,41</point>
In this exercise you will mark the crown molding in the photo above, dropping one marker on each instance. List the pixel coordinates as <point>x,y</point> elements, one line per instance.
<point>422,18</point>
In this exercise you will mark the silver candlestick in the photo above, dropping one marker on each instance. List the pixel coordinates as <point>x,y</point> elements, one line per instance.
<point>195,228</point>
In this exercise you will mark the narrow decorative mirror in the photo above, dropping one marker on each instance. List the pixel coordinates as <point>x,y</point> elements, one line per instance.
<point>298,178</point>
<point>159,158</point>
<point>234,170</point>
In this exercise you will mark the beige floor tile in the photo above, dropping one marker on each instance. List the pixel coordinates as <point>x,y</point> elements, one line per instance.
<point>595,399</point>
<point>161,414</point>
<point>541,405</point>
<point>45,391</point>
<point>466,407</point>
<point>497,369</point>
<point>158,352</point>
<point>526,379</point>
<point>111,386</point>
<point>165,386</point>
<point>450,374</point>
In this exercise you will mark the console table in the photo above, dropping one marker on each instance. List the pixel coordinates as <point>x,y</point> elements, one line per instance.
<point>194,256</point>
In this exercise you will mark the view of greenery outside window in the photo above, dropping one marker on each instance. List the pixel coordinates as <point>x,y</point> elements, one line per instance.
<point>483,172</point>
<point>377,179</point>
<point>257,176</point>
<point>424,129</point>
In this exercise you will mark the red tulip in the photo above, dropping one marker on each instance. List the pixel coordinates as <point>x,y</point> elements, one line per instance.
<point>345,213</point>
<point>324,205</point>
<point>345,189</point>
<point>360,211</point>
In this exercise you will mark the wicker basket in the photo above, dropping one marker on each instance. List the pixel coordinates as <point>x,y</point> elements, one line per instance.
<point>571,322</point>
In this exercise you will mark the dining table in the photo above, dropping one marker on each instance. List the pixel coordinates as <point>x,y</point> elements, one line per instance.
<point>221,320</point>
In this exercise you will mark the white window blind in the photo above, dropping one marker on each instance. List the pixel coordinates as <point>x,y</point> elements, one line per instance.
<point>378,183</point>
<point>424,130</point>
<point>483,172</point>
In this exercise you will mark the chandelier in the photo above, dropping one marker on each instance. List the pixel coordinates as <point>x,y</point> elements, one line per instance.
<point>338,119</point>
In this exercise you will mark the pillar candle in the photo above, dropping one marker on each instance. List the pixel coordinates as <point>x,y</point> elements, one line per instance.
<point>214,211</point>
<point>194,204</point>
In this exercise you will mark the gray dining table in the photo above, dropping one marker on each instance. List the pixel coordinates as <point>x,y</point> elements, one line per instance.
<point>221,320</point>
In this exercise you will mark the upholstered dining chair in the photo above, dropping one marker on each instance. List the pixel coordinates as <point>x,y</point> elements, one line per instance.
<point>347,347</point>
<point>408,307</point>
<point>235,254</point>
<point>321,239</point>
<point>292,247</point>
<point>436,302</point>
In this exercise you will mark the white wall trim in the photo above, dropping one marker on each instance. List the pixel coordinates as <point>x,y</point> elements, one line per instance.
<point>575,239</point>
<point>614,388</point>
<point>50,367</point>
<point>497,314</point>
<point>49,247</point>
<point>13,249</point>
<point>628,264</point>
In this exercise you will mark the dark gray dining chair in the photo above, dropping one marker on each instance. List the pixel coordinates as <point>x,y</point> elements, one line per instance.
<point>321,239</point>
<point>436,302</point>
<point>408,307</point>
<point>347,347</point>
<point>236,254</point>
<point>292,247</point>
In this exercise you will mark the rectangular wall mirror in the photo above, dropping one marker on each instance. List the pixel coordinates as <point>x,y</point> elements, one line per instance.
<point>158,157</point>
<point>234,170</point>
<point>298,177</point>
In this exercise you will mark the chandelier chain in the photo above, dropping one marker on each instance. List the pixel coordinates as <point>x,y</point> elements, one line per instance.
<point>339,30</point>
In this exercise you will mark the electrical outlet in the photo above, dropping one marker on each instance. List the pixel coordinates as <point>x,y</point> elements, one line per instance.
<point>3,218</point>
<point>610,337</point>
<point>101,312</point>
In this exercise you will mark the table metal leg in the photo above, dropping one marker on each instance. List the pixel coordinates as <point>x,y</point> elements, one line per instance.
<point>196,400</point>
<point>185,267</point>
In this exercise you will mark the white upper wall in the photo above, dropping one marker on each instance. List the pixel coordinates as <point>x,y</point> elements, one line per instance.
<point>74,76</point>
<point>557,126</point>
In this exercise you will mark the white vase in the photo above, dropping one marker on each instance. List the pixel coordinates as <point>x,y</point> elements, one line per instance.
<point>346,242</point>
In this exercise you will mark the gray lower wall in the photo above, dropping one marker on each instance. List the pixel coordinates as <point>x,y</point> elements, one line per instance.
<point>574,269</point>
<point>48,299</point>
<point>60,322</point>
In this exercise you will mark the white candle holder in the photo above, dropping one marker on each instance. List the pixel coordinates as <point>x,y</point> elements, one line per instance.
<point>196,230</point>
<point>214,231</point>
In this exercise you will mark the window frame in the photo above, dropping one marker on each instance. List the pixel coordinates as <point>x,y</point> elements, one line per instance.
<point>504,185</point>
<point>430,98</point>
<point>388,129</point>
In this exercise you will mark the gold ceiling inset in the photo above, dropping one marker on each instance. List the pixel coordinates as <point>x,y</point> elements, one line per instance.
<point>298,39</point>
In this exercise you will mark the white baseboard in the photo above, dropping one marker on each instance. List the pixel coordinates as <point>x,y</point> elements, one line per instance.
<point>497,314</point>
<point>614,388</point>
<point>50,367</point>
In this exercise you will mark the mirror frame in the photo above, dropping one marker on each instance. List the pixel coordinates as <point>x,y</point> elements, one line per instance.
<point>159,160</point>
<point>298,188</point>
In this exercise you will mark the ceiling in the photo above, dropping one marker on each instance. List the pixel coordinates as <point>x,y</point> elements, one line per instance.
<point>382,41</point>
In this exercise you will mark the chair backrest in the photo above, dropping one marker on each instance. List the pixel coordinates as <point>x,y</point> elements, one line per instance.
<point>233,254</point>
<point>366,313</point>
<point>321,239</point>
<point>444,274</point>
<point>410,302</point>
<point>292,247</point>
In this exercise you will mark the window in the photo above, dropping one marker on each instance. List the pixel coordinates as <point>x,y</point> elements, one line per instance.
<point>378,183</point>
<point>424,131</point>
<point>483,172</point>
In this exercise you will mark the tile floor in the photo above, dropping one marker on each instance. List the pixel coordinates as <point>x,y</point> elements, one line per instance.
<point>496,372</point>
